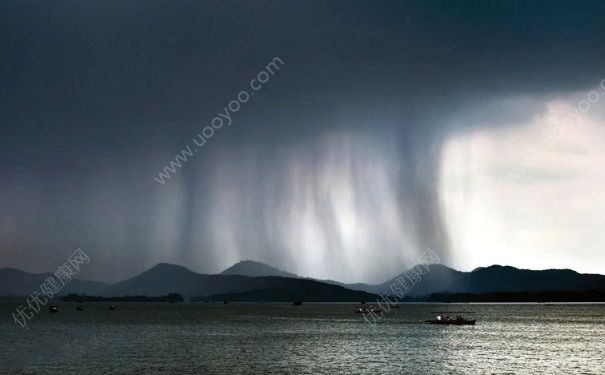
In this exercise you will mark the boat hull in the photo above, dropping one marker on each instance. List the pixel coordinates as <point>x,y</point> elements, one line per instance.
<point>452,322</point>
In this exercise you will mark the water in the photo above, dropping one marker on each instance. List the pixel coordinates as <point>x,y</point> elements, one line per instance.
<point>154,338</point>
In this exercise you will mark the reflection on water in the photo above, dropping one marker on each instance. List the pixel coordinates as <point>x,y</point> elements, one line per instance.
<point>149,338</point>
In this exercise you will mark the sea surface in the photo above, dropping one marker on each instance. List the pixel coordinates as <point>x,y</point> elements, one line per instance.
<point>198,338</point>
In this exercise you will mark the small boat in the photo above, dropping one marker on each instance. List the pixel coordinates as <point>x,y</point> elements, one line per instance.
<point>53,309</point>
<point>80,307</point>
<point>367,310</point>
<point>112,307</point>
<point>297,303</point>
<point>446,320</point>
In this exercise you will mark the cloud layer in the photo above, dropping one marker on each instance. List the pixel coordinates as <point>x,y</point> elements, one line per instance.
<point>333,169</point>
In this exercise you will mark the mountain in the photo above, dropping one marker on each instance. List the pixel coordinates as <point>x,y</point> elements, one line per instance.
<point>249,280</point>
<point>159,280</point>
<point>254,269</point>
<point>20,283</point>
<point>168,278</point>
<point>541,297</point>
<point>506,278</point>
<point>436,278</point>
<point>442,279</point>
<point>309,293</point>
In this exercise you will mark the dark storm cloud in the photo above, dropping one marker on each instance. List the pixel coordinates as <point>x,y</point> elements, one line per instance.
<point>96,97</point>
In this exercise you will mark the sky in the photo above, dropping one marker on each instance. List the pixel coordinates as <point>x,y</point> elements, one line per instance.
<point>382,129</point>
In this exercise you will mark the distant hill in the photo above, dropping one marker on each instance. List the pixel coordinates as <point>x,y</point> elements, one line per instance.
<point>20,283</point>
<point>505,278</point>
<point>159,280</point>
<point>168,278</point>
<point>309,293</point>
<point>255,269</point>
<point>172,298</point>
<point>543,297</point>
<point>442,279</point>
<point>249,280</point>
<point>437,278</point>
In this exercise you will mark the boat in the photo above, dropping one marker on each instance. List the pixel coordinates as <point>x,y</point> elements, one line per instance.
<point>112,307</point>
<point>443,318</point>
<point>367,310</point>
<point>80,307</point>
<point>297,303</point>
<point>53,309</point>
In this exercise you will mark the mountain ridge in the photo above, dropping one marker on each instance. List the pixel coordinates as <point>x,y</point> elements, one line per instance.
<point>167,278</point>
<point>17,282</point>
<point>254,268</point>
<point>248,275</point>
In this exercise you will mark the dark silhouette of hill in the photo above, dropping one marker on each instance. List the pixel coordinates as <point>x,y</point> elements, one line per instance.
<point>73,297</point>
<point>438,278</point>
<point>164,279</point>
<point>168,278</point>
<point>255,269</point>
<point>544,296</point>
<point>318,292</point>
<point>435,277</point>
<point>442,279</point>
<point>505,278</point>
<point>17,282</point>
<point>159,280</point>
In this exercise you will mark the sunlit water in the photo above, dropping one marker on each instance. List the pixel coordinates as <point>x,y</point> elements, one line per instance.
<point>153,338</point>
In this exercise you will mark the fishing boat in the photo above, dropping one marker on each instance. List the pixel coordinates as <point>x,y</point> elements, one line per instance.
<point>367,310</point>
<point>80,307</point>
<point>53,309</point>
<point>443,318</point>
<point>112,307</point>
<point>297,303</point>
